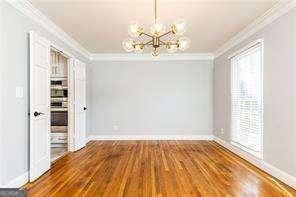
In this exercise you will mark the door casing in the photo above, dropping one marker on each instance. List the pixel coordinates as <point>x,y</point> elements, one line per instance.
<point>80,105</point>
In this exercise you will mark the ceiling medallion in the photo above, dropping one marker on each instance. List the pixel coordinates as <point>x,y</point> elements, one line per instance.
<point>156,37</point>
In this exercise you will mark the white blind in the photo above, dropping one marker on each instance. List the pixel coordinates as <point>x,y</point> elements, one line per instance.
<point>247,106</point>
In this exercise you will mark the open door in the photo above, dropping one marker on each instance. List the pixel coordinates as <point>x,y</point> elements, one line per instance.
<point>39,106</point>
<point>80,104</point>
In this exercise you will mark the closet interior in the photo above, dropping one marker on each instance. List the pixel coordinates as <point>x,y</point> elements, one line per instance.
<point>59,104</point>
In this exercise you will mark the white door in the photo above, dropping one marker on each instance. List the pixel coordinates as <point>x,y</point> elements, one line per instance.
<point>39,105</point>
<point>71,99</point>
<point>80,105</point>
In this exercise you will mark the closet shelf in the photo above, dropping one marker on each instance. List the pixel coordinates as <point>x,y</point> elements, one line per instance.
<point>58,78</point>
<point>59,109</point>
<point>59,129</point>
<point>59,87</point>
<point>58,138</point>
<point>59,99</point>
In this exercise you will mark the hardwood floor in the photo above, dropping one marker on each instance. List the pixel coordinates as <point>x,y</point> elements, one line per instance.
<point>57,152</point>
<point>155,168</point>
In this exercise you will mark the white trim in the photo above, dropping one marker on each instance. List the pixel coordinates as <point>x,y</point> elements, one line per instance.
<point>270,169</point>
<point>245,48</point>
<point>71,106</point>
<point>149,137</point>
<point>268,17</point>
<point>1,83</point>
<point>57,47</point>
<point>30,11</point>
<point>148,57</point>
<point>17,181</point>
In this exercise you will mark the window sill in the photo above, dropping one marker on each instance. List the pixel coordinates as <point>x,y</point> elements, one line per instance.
<point>258,155</point>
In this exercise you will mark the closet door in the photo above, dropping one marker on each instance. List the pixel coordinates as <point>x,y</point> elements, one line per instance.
<point>71,100</point>
<point>80,104</point>
<point>39,106</point>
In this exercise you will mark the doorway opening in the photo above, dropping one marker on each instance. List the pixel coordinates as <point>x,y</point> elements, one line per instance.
<point>59,105</point>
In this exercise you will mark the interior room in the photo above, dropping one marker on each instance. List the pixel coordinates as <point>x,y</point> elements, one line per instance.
<point>148,98</point>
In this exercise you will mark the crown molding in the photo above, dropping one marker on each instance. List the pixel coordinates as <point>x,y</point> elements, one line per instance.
<point>268,17</point>
<point>279,9</point>
<point>30,11</point>
<point>148,57</point>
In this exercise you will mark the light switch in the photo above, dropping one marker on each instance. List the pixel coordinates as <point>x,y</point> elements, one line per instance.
<point>19,92</point>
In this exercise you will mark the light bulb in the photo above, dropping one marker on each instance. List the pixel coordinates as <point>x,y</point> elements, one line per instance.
<point>157,28</point>
<point>183,43</point>
<point>171,48</point>
<point>128,45</point>
<point>155,53</point>
<point>179,27</point>
<point>139,48</point>
<point>134,29</point>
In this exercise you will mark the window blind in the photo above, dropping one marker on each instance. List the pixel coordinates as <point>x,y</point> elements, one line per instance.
<point>246,100</point>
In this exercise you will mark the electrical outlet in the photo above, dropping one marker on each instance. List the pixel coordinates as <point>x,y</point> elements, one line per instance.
<point>222,131</point>
<point>115,127</point>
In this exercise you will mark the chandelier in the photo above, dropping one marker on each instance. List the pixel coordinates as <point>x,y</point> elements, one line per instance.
<point>155,39</point>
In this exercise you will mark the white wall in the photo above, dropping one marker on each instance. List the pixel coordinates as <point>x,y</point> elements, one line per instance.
<point>14,72</point>
<point>1,57</point>
<point>279,94</point>
<point>176,98</point>
<point>150,98</point>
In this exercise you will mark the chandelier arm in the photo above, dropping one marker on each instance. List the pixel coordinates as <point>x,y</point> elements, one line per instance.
<point>162,42</point>
<point>165,34</point>
<point>168,43</point>
<point>143,33</point>
<point>148,43</point>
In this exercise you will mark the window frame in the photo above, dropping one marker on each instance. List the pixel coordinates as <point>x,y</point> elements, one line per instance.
<point>241,52</point>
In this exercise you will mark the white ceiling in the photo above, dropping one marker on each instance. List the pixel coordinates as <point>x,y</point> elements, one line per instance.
<point>101,25</point>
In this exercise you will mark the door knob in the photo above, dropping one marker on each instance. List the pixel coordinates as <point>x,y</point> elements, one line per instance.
<point>37,113</point>
<point>84,108</point>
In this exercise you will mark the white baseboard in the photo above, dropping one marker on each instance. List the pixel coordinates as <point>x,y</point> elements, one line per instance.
<point>18,181</point>
<point>270,169</point>
<point>149,137</point>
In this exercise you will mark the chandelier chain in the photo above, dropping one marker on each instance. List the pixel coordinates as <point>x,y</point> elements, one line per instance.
<point>155,11</point>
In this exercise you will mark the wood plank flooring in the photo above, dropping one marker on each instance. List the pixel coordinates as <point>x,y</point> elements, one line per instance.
<point>155,168</point>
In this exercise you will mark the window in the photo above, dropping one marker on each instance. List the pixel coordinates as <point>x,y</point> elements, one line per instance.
<point>246,99</point>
